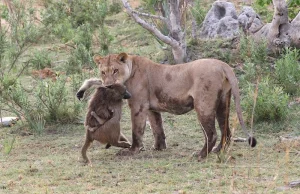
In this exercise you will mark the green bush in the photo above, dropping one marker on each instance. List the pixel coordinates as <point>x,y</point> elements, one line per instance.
<point>16,98</point>
<point>40,59</point>
<point>115,7</point>
<point>271,102</point>
<point>252,51</point>
<point>287,71</point>
<point>80,57</point>
<point>75,12</point>
<point>53,98</point>
<point>198,12</point>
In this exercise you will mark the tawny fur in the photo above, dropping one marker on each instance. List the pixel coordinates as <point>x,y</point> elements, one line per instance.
<point>204,85</point>
<point>106,105</point>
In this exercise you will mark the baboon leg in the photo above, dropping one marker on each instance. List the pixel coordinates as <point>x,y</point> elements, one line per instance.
<point>223,120</point>
<point>122,144</point>
<point>206,115</point>
<point>123,138</point>
<point>100,121</point>
<point>92,129</point>
<point>155,120</point>
<point>84,148</point>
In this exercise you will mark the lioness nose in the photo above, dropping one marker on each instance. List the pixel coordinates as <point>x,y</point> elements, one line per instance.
<point>108,82</point>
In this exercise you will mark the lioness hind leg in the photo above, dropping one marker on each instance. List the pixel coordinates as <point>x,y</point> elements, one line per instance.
<point>208,126</point>
<point>155,120</point>
<point>223,120</point>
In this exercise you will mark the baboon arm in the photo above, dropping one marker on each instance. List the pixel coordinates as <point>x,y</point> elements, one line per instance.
<point>86,85</point>
<point>100,121</point>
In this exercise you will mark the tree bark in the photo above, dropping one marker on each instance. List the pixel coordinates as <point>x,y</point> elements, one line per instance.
<point>280,32</point>
<point>176,37</point>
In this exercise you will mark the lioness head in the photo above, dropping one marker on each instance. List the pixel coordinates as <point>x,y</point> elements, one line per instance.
<point>115,68</point>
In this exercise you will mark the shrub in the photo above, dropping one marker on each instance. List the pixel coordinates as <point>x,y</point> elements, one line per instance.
<point>252,51</point>
<point>287,70</point>
<point>17,100</point>
<point>115,7</point>
<point>40,59</point>
<point>198,12</point>
<point>79,58</point>
<point>53,98</point>
<point>271,102</point>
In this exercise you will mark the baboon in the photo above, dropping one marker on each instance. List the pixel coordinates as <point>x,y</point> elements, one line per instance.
<point>102,122</point>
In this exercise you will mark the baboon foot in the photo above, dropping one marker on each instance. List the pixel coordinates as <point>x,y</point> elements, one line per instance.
<point>130,151</point>
<point>107,146</point>
<point>126,152</point>
<point>217,149</point>
<point>85,161</point>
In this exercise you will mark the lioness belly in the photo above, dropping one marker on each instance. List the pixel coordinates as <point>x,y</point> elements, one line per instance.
<point>164,103</point>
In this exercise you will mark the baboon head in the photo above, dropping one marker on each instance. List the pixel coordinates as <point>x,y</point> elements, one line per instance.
<point>116,92</point>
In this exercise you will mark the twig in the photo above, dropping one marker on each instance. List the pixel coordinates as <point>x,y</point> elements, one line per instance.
<point>150,16</point>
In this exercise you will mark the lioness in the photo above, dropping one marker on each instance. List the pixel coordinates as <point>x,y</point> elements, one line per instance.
<point>102,122</point>
<point>204,85</point>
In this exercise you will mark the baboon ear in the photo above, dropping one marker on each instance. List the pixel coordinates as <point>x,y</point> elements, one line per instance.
<point>122,57</point>
<point>97,59</point>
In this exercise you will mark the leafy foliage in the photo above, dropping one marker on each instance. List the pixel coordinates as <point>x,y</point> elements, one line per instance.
<point>198,12</point>
<point>40,59</point>
<point>287,70</point>
<point>293,8</point>
<point>271,102</point>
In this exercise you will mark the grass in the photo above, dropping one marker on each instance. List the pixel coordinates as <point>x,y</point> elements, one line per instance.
<point>51,163</point>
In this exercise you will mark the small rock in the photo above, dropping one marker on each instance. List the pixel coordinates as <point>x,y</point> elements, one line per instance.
<point>8,121</point>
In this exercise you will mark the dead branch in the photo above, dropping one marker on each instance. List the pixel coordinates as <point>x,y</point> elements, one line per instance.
<point>151,28</point>
<point>150,16</point>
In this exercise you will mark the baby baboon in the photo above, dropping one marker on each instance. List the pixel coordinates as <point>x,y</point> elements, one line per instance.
<point>102,122</point>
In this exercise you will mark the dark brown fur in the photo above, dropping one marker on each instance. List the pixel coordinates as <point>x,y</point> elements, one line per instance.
<point>106,102</point>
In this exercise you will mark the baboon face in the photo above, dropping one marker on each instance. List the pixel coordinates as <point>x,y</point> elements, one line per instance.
<point>117,92</point>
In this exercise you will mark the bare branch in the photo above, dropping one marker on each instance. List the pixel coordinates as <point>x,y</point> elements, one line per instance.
<point>150,16</point>
<point>151,28</point>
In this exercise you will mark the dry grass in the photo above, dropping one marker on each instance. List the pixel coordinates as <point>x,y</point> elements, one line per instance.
<point>51,164</point>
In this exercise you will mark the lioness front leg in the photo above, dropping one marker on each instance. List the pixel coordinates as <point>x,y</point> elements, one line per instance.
<point>138,118</point>
<point>155,120</point>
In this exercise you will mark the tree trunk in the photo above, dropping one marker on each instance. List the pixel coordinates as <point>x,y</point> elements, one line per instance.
<point>176,32</point>
<point>280,32</point>
<point>176,37</point>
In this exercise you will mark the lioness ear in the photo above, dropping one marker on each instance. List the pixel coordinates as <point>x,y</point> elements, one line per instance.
<point>122,57</point>
<point>97,59</point>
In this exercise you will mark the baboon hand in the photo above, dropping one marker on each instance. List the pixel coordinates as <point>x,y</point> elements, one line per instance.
<point>79,94</point>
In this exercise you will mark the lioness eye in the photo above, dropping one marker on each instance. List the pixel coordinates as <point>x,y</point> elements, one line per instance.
<point>103,73</point>
<point>116,71</point>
